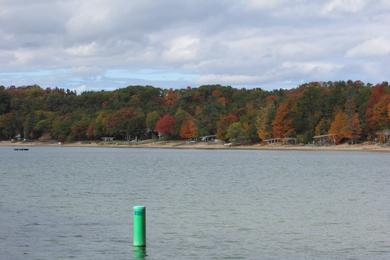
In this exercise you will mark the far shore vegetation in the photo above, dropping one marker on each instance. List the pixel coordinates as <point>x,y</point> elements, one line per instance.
<point>324,112</point>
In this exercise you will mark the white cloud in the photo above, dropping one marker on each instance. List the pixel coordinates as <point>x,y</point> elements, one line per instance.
<point>87,71</point>
<point>262,4</point>
<point>370,48</point>
<point>83,50</point>
<point>344,6</point>
<point>22,57</point>
<point>90,18</point>
<point>311,67</point>
<point>227,79</point>
<point>182,48</point>
<point>298,49</point>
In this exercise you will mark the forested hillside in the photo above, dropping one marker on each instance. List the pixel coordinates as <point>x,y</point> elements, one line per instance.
<point>353,111</point>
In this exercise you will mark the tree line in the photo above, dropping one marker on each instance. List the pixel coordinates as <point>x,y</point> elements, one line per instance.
<point>352,110</point>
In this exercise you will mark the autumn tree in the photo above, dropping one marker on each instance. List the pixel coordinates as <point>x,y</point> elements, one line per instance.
<point>264,121</point>
<point>188,129</point>
<point>340,127</point>
<point>180,116</point>
<point>218,95</point>
<point>388,110</point>
<point>374,110</point>
<point>304,111</point>
<point>380,117</point>
<point>282,126</point>
<point>165,125</point>
<point>355,127</point>
<point>171,98</point>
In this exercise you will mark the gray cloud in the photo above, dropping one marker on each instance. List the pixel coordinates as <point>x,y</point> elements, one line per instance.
<point>263,43</point>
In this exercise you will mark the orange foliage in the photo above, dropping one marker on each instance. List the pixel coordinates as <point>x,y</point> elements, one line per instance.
<point>188,129</point>
<point>376,94</point>
<point>220,98</point>
<point>380,117</point>
<point>222,101</point>
<point>263,133</point>
<point>171,98</point>
<point>340,128</point>
<point>282,125</point>
<point>216,93</point>
<point>388,110</point>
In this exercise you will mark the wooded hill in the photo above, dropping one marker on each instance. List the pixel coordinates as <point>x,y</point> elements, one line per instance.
<point>354,111</point>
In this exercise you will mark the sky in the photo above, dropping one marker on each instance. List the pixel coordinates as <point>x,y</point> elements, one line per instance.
<point>271,44</point>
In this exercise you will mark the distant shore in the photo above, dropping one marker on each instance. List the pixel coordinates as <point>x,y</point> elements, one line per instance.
<point>202,145</point>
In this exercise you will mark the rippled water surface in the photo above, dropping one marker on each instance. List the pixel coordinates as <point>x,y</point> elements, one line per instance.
<point>64,203</point>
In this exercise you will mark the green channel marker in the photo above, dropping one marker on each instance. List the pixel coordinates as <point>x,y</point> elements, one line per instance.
<point>139,226</point>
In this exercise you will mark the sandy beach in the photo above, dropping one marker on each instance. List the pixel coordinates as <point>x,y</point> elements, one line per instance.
<point>202,145</point>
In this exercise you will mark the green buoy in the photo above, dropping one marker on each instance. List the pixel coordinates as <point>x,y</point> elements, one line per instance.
<point>139,226</point>
<point>139,252</point>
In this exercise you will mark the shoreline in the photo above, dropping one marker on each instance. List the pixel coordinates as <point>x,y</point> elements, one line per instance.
<point>205,146</point>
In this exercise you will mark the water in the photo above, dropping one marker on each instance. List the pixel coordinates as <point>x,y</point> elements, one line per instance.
<point>64,203</point>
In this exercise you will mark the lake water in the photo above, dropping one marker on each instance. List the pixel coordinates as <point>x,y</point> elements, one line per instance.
<point>64,203</point>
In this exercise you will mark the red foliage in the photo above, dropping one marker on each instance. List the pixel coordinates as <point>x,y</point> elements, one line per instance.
<point>270,99</point>
<point>166,125</point>
<point>231,118</point>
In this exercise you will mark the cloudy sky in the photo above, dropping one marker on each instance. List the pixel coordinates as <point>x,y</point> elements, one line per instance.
<point>106,44</point>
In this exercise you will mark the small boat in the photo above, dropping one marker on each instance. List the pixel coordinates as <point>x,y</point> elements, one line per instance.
<point>21,149</point>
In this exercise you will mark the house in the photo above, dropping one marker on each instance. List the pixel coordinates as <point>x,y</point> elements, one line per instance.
<point>383,136</point>
<point>286,140</point>
<point>107,139</point>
